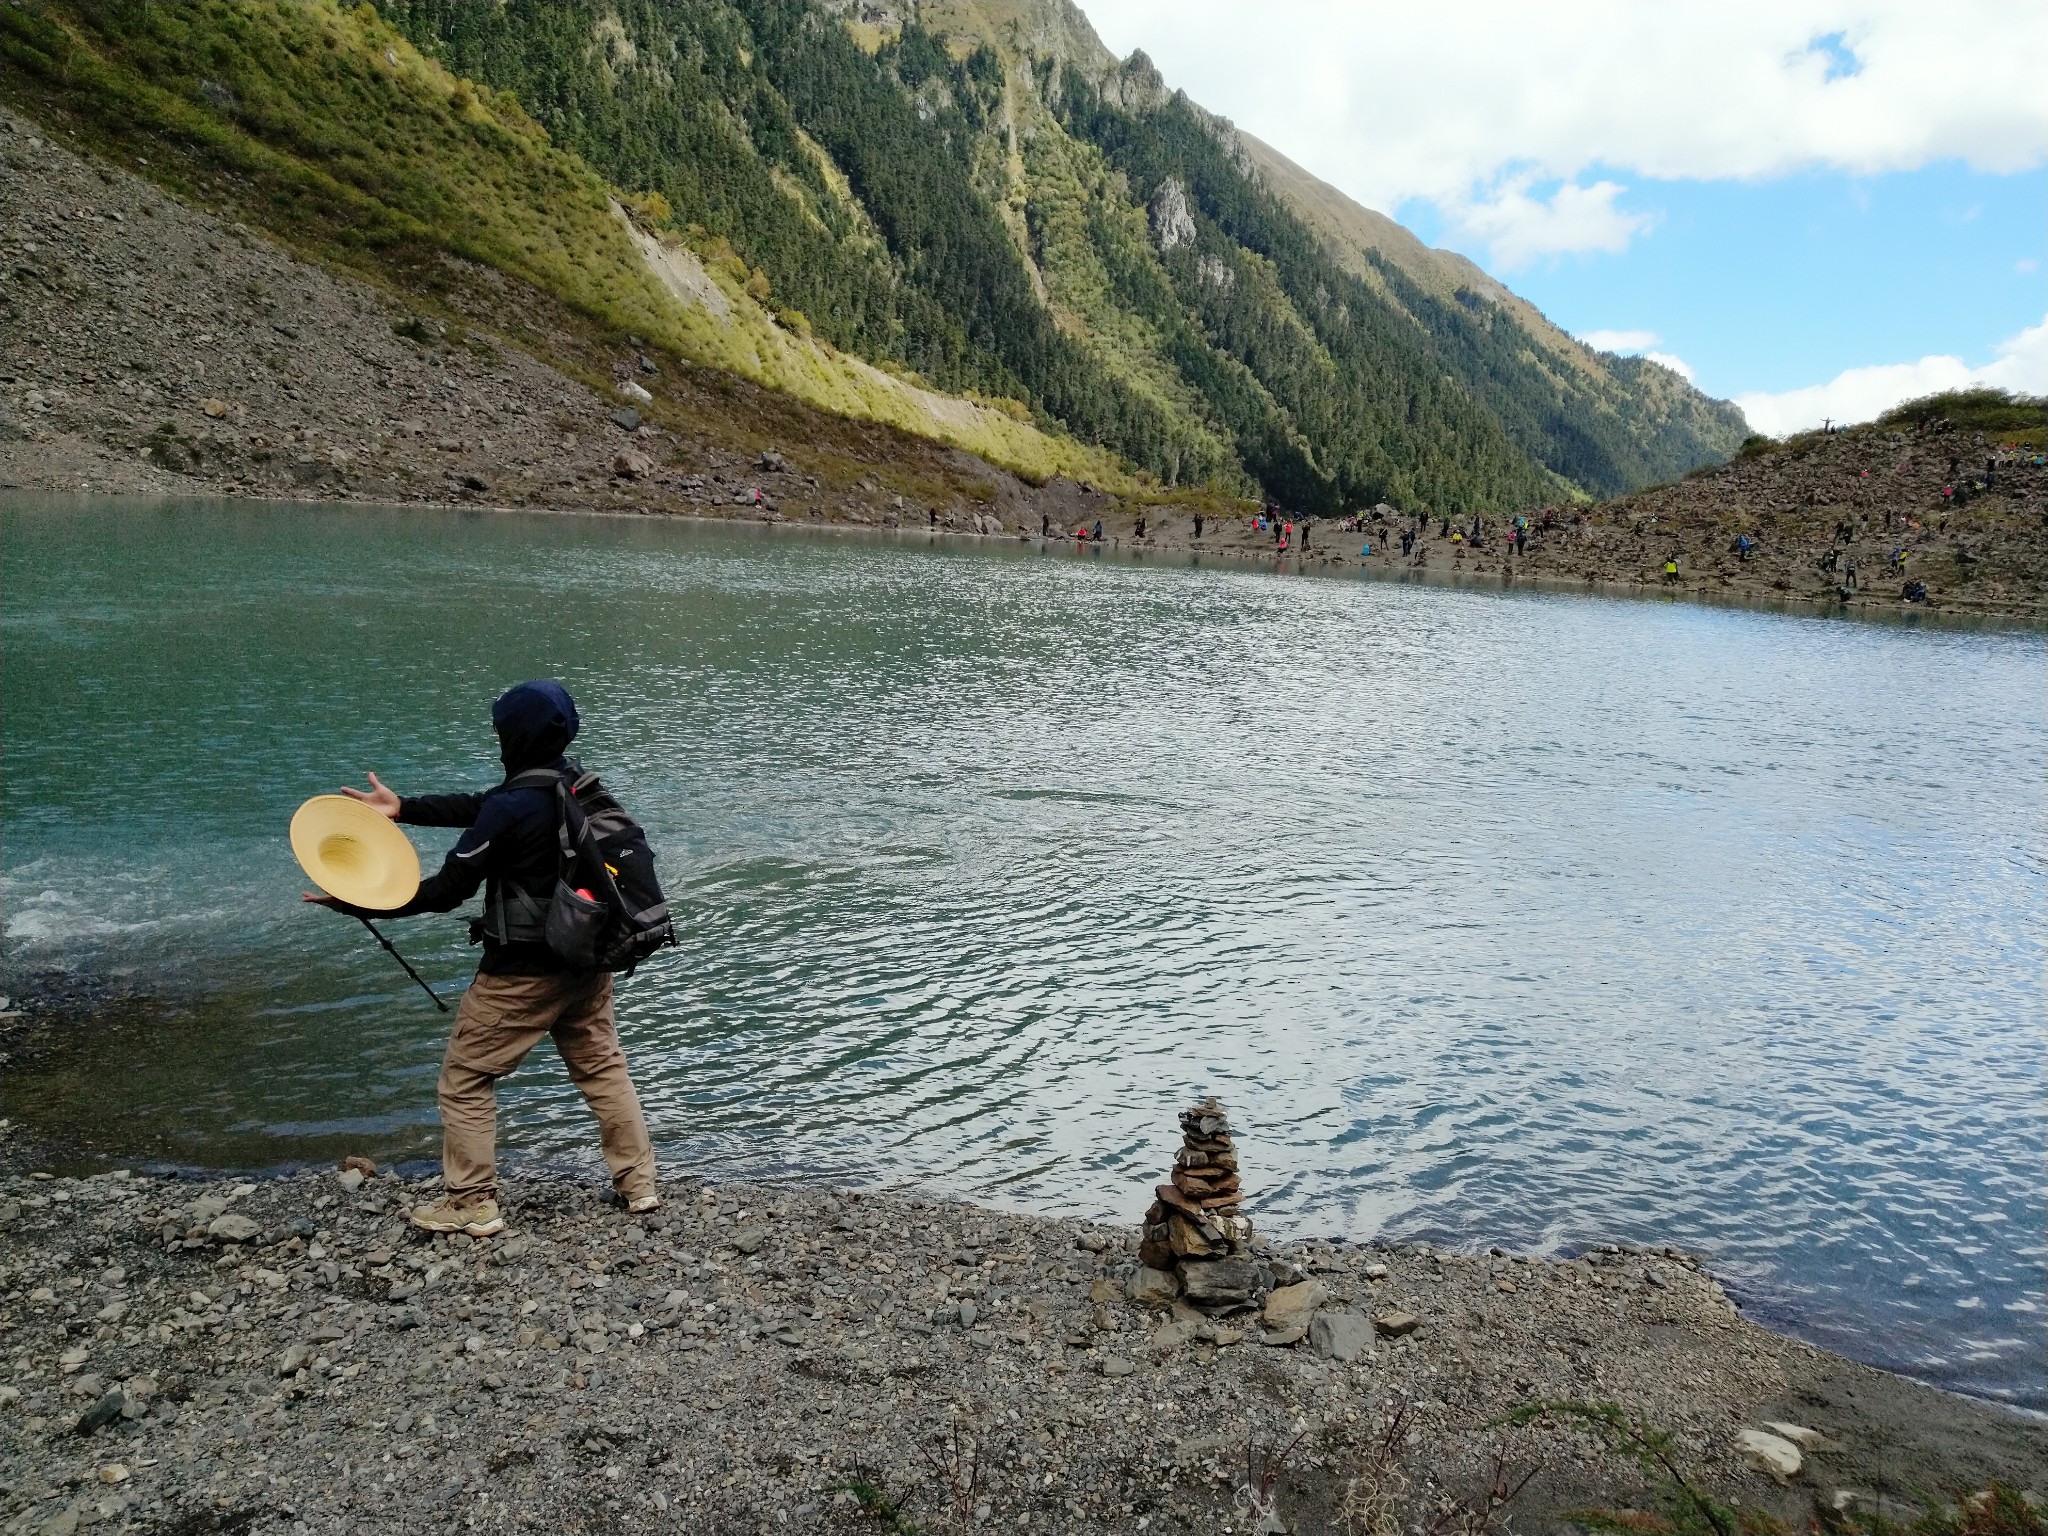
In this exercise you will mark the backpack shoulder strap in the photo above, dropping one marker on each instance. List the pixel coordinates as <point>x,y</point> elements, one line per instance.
<point>535,778</point>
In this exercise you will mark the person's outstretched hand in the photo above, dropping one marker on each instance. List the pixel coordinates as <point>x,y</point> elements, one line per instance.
<point>379,799</point>
<point>320,901</point>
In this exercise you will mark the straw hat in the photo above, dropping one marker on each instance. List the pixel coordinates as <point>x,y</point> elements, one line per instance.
<point>353,852</point>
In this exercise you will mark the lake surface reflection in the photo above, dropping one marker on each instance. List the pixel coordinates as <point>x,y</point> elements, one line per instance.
<point>1521,919</point>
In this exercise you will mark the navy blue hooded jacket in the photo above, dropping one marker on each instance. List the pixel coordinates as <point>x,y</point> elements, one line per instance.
<point>510,834</point>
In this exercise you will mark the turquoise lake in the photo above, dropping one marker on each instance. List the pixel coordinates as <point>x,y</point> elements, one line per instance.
<point>1510,918</point>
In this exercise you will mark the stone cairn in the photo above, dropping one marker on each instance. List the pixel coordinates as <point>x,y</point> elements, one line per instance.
<point>1195,1229</point>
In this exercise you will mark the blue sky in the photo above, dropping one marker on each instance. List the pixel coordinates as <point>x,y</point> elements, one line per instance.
<point>1764,285</point>
<point>1815,207</point>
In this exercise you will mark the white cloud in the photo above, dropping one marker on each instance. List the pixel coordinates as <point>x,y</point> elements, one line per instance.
<point>1620,341</point>
<point>1518,227</point>
<point>1675,363</point>
<point>1858,394</point>
<point>1469,105</point>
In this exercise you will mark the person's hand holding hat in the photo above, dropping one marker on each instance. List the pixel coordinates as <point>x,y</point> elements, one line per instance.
<point>377,797</point>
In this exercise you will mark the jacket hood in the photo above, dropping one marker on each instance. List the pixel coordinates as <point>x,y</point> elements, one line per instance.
<point>535,723</point>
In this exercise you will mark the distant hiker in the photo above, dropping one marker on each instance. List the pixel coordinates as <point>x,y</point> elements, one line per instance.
<point>524,991</point>
<point>933,514</point>
<point>1849,573</point>
<point>1286,537</point>
<point>1306,524</point>
<point>1096,536</point>
<point>1671,568</point>
<point>1138,530</point>
<point>1407,543</point>
<point>1445,531</point>
<point>1743,546</point>
<point>1280,533</point>
<point>1198,525</point>
<point>1045,525</point>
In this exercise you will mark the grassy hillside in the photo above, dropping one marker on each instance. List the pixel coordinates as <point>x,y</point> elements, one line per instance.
<point>327,127</point>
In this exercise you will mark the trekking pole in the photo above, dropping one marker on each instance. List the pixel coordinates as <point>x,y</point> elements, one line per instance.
<point>415,975</point>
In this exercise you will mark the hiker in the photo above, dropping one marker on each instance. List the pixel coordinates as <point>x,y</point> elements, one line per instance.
<point>1198,525</point>
<point>1045,525</point>
<point>1286,537</point>
<point>523,990</point>
<point>1096,536</point>
<point>1138,530</point>
<point>1280,532</point>
<point>1305,525</point>
<point>1671,568</point>
<point>1743,546</point>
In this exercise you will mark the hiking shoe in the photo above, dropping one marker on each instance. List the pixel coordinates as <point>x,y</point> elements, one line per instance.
<point>480,1219</point>
<point>640,1205</point>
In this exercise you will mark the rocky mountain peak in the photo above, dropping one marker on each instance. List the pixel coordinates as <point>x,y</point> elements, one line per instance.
<point>1136,84</point>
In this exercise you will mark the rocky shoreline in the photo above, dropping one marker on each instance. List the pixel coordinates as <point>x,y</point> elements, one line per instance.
<point>286,1354</point>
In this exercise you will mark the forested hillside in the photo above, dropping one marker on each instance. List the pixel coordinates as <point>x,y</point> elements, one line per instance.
<point>1000,221</point>
<point>981,203</point>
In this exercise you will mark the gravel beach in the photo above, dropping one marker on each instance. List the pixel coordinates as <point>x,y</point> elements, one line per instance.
<point>286,1354</point>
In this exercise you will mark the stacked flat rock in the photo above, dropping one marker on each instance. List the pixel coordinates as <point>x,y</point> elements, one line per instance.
<point>1195,1227</point>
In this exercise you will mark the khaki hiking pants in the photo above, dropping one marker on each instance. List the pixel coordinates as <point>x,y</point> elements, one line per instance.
<point>500,1019</point>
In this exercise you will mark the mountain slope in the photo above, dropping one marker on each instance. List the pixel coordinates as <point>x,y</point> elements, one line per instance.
<point>324,126</point>
<point>972,223</point>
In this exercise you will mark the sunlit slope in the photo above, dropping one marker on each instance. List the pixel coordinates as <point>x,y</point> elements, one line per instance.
<point>327,127</point>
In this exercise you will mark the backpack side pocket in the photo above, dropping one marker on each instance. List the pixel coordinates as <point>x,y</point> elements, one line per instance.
<point>575,925</point>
